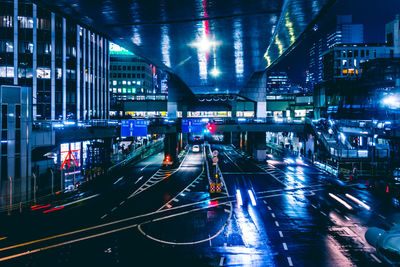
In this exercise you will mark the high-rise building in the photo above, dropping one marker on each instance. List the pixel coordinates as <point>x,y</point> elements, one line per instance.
<point>277,82</point>
<point>52,71</point>
<point>346,32</point>
<point>343,60</point>
<point>392,36</point>
<point>65,64</point>
<point>133,79</point>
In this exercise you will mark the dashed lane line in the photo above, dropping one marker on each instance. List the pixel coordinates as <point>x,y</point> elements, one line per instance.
<point>375,258</point>
<point>269,208</point>
<point>280,233</point>
<point>273,215</point>
<point>277,223</point>
<point>289,259</point>
<point>382,217</point>
<point>221,261</point>
<point>323,213</point>
<point>284,246</point>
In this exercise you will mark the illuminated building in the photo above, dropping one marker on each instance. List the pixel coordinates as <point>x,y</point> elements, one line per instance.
<point>133,82</point>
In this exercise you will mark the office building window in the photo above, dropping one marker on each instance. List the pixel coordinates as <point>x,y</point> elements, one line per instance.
<point>6,21</point>
<point>4,117</point>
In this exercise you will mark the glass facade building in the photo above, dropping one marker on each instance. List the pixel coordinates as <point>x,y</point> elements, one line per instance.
<point>65,64</point>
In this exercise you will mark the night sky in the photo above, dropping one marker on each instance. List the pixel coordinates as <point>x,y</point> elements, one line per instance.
<point>372,13</point>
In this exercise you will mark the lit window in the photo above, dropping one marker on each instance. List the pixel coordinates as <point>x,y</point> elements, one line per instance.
<point>43,73</point>
<point>344,71</point>
<point>129,82</point>
<point>129,91</point>
<point>124,82</point>
<point>114,82</point>
<point>138,82</point>
<point>114,90</point>
<point>124,90</point>
<point>119,90</point>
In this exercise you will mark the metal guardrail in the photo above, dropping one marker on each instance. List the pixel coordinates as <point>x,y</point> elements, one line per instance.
<point>339,152</point>
<point>158,144</point>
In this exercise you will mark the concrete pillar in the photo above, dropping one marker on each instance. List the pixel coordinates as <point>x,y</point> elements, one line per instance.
<point>170,146</point>
<point>235,139</point>
<point>256,145</point>
<point>172,109</point>
<point>227,138</point>
<point>261,109</point>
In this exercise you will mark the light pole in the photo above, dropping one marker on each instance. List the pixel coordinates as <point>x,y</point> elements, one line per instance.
<point>10,183</point>
<point>34,187</point>
<point>52,181</point>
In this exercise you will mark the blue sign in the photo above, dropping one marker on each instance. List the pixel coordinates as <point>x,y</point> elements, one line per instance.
<point>134,128</point>
<point>192,126</point>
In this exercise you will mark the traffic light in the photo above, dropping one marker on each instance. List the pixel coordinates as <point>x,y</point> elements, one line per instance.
<point>211,127</point>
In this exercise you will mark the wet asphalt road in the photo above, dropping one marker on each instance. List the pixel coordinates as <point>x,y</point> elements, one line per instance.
<point>167,218</point>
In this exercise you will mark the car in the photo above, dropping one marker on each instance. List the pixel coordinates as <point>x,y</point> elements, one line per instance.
<point>195,148</point>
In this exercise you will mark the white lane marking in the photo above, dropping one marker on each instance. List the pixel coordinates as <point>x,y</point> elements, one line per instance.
<point>122,203</point>
<point>113,209</point>
<point>265,202</point>
<point>145,167</point>
<point>227,210</point>
<point>347,218</point>
<point>187,189</point>
<point>338,211</point>
<point>105,215</point>
<point>273,215</point>
<point>375,258</point>
<point>280,234</point>
<point>383,217</point>
<point>176,200</point>
<point>276,223</point>
<point>225,244</point>
<point>221,261</point>
<point>269,208</point>
<point>76,201</point>
<point>140,178</point>
<point>210,240</point>
<point>313,206</point>
<point>289,259</point>
<point>182,194</point>
<point>284,246</point>
<point>323,213</point>
<point>119,179</point>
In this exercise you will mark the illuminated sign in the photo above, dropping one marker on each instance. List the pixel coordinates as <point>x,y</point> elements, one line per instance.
<point>134,128</point>
<point>192,126</point>
<point>118,50</point>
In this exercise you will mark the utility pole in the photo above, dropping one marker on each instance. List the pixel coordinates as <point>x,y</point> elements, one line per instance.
<point>10,183</point>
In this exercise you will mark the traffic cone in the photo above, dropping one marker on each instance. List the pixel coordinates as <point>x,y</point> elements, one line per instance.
<point>387,189</point>
<point>367,182</point>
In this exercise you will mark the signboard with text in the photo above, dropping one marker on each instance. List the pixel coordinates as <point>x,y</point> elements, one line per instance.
<point>192,126</point>
<point>134,128</point>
